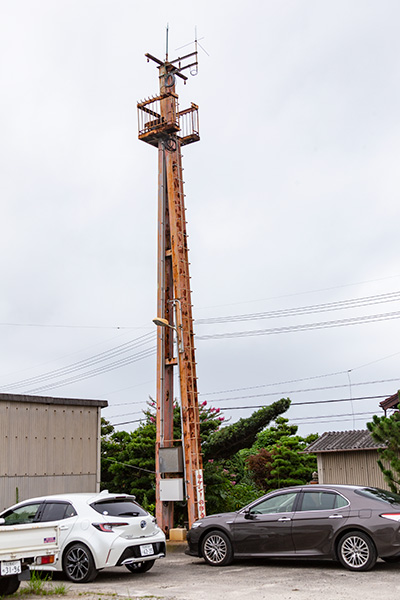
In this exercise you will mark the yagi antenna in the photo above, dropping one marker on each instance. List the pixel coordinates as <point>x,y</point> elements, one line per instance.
<point>194,69</point>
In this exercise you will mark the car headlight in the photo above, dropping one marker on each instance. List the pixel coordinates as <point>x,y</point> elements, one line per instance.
<point>197,524</point>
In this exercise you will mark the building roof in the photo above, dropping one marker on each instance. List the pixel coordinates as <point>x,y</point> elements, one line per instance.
<point>343,441</point>
<point>49,400</point>
<point>391,402</point>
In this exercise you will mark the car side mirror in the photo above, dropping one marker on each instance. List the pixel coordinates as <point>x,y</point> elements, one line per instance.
<point>248,515</point>
<point>2,521</point>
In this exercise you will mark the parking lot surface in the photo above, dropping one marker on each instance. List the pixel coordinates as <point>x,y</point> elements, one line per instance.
<point>181,577</point>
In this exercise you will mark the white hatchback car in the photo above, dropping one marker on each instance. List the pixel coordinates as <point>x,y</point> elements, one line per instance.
<point>95,531</point>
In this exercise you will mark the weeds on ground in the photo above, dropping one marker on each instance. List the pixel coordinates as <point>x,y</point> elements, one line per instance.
<point>37,586</point>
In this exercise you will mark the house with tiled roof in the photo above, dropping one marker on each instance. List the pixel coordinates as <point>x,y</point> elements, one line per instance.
<point>348,457</point>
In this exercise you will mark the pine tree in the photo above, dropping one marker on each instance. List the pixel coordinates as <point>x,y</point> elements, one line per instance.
<point>386,430</point>
<point>224,443</point>
<point>276,458</point>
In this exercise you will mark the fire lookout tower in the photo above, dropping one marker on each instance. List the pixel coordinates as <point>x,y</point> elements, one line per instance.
<point>164,126</point>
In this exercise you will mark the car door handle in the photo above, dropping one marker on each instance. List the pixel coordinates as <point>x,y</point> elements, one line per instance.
<point>63,527</point>
<point>336,517</point>
<point>285,519</point>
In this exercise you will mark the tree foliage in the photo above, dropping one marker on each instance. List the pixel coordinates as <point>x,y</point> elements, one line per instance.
<point>240,460</point>
<point>386,430</point>
<point>227,441</point>
<point>128,458</point>
<point>276,458</point>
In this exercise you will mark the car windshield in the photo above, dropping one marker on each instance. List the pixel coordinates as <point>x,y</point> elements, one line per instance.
<point>116,507</point>
<point>379,494</point>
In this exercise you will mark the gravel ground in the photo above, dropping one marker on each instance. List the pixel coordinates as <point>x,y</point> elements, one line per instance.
<point>181,577</point>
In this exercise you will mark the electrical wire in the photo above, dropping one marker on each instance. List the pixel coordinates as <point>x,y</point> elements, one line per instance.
<point>305,390</point>
<point>99,371</point>
<point>305,310</point>
<point>313,402</point>
<point>328,289</point>
<point>315,419</point>
<point>257,406</point>
<point>98,359</point>
<point>303,327</point>
<point>117,462</point>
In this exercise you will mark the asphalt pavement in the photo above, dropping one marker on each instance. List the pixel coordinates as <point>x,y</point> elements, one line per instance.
<point>182,577</point>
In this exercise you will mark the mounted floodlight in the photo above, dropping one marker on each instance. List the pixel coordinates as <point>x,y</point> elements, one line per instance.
<point>162,322</point>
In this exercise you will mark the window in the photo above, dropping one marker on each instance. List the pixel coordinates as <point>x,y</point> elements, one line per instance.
<point>322,501</point>
<point>119,508</point>
<point>379,494</point>
<point>277,504</point>
<point>22,514</point>
<point>56,511</point>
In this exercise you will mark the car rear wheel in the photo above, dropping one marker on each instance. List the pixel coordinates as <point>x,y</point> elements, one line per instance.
<point>78,564</point>
<point>217,549</point>
<point>356,551</point>
<point>140,567</point>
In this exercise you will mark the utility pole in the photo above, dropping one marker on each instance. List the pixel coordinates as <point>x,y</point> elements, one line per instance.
<point>164,126</point>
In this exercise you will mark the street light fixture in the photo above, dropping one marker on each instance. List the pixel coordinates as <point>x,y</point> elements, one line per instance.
<point>160,322</point>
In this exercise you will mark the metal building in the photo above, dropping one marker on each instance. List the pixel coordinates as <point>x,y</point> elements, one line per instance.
<point>48,446</point>
<point>349,457</point>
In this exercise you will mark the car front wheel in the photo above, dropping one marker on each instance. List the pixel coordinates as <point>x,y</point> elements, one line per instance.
<point>356,551</point>
<point>78,564</point>
<point>217,549</point>
<point>140,567</point>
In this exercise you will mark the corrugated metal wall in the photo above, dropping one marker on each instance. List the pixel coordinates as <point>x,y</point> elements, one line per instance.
<point>47,448</point>
<point>354,468</point>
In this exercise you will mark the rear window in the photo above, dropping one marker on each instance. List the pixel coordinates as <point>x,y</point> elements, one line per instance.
<point>320,500</point>
<point>119,508</point>
<point>378,494</point>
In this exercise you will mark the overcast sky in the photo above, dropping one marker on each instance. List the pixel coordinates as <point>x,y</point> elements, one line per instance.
<point>292,201</point>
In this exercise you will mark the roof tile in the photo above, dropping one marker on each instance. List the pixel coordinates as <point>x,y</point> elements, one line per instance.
<point>337,441</point>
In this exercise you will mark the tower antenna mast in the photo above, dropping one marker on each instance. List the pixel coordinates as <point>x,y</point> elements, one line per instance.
<point>164,126</point>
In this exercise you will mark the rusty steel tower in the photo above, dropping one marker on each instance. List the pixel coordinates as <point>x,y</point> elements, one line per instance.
<point>164,126</point>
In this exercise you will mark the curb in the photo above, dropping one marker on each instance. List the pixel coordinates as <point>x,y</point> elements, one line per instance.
<point>173,546</point>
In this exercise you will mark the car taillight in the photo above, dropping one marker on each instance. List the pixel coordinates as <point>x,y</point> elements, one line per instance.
<point>45,560</point>
<point>108,527</point>
<point>391,516</point>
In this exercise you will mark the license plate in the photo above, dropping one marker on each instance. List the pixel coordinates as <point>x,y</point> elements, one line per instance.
<point>10,567</point>
<point>146,550</point>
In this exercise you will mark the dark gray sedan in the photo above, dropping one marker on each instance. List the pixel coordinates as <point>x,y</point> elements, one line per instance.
<point>352,524</point>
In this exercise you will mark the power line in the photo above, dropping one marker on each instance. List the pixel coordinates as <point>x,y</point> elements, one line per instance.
<point>314,403</point>
<point>257,406</point>
<point>295,311</point>
<point>323,419</point>
<point>328,289</point>
<point>303,327</point>
<point>47,326</point>
<point>117,462</point>
<point>127,422</point>
<point>315,419</point>
<point>301,391</point>
<point>103,357</point>
<point>255,387</point>
<point>99,371</point>
<point>334,416</point>
<point>305,310</point>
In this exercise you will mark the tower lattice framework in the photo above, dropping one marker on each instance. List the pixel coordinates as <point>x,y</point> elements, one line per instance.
<point>165,127</point>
